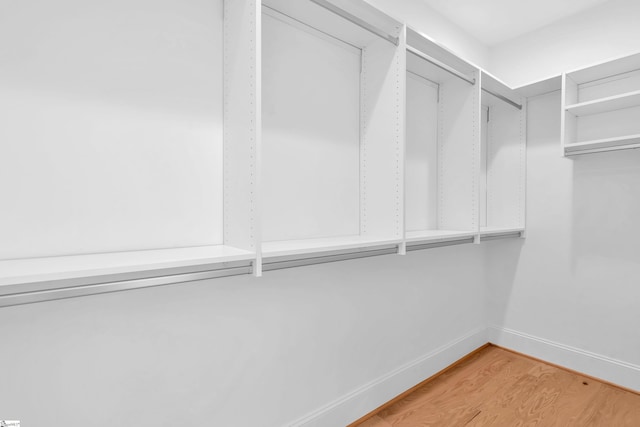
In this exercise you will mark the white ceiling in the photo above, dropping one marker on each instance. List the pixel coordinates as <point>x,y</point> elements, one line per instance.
<point>496,21</point>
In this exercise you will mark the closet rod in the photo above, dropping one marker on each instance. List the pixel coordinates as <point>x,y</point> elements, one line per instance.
<point>503,98</point>
<point>508,235</point>
<point>439,64</point>
<point>436,84</point>
<point>116,286</point>
<point>432,245</point>
<point>280,263</point>
<point>355,20</point>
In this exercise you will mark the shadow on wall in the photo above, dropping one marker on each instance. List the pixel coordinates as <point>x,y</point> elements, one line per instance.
<point>606,231</point>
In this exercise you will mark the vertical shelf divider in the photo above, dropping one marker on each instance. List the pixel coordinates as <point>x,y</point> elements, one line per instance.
<point>242,125</point>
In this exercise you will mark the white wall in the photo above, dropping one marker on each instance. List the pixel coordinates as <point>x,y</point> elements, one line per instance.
<point>566,293</point>
<point>263,352</point>
<point>598,34</point>
<point>569,293</point>
<point>228,352</point>
<point>309,80</point>
<point>241,351</point>
<point>423,18</point>
<point>111,135</point>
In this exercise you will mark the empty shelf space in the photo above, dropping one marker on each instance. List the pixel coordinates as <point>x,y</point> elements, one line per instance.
<point>606,144</point>
<point>438,235</point>
<point>310,246</point>
<point>611,103</point>
<point>33,270</point>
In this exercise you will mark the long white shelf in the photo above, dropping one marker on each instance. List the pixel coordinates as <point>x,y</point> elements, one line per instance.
<point>310,246</point>
<point>33,270</point>
<point>438,235</point>
<point>602,105</point>
<point>606,144</point>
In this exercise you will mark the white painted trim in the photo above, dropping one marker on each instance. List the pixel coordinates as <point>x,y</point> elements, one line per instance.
<point>596,365</point>
<point>368,397</point>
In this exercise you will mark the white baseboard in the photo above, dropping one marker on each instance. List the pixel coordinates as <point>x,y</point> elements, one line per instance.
<point>592,364</point>
<point>368,397</point>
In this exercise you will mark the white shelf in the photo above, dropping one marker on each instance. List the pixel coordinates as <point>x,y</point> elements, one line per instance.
<point>602,105</point>
<point>355,22</point>
<point>495,91</point>
<point>606,119</point>
<point>493,230</point>
<point>425,46</point>
<point>540,87</point>
<point>311,246</point>
<point>32,270</point>
<point>438,235</point>
<point>614,67</point>
<point>606,144</point>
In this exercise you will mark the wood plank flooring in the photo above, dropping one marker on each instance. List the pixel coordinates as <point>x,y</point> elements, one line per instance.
<point>496,387</point>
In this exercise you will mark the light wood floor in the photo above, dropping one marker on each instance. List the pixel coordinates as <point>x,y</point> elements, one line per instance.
<point>495,387</point>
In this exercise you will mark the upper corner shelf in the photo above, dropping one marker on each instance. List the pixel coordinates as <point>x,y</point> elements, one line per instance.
<point>540,87</point>
<point>495,90</point>
<point>600,106</point>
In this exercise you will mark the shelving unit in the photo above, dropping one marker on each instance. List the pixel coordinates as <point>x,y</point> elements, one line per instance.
<point>600,107</point>
<point>297,132</point>
<point>332,132</point>
<point>441,171</point>
<point>503,161</point>
<point>136,191</point>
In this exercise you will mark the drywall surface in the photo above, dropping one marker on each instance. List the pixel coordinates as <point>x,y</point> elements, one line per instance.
<point>111,135</point>
<point>569,293</point>
<point>237,351</point>
<point>423,18</point>
<point>310,171</point>
<point>598,34</point>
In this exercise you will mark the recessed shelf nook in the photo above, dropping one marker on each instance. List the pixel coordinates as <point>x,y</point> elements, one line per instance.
<point>332,129</point>
<point>441,170</point>
<point>503,160</point>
